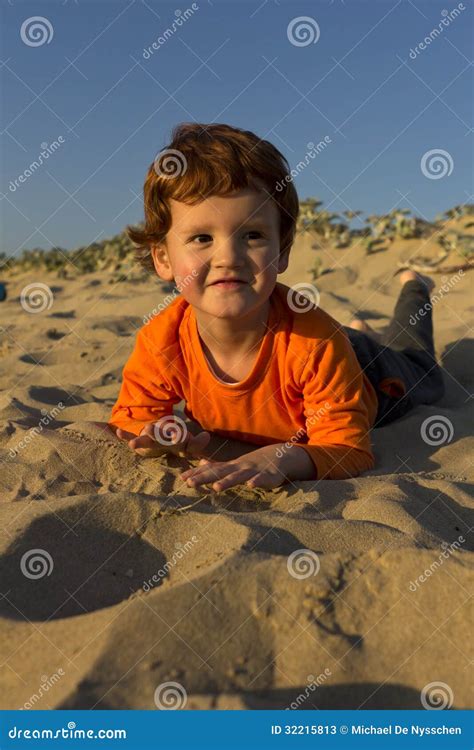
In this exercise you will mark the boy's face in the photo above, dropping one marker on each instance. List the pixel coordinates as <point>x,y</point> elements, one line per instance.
<point>223,236</point>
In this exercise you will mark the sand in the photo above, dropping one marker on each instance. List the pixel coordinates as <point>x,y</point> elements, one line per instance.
<point>226,618</point>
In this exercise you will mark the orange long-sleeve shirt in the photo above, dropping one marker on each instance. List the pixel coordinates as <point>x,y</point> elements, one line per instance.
<point>305,388</point>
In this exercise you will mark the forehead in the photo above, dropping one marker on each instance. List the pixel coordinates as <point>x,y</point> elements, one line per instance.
<point>226,210</point>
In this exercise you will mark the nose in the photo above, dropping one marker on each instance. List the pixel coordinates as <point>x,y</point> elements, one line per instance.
<point>229,252</point>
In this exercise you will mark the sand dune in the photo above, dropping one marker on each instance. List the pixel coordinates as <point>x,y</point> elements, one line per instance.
<point>224,617</point>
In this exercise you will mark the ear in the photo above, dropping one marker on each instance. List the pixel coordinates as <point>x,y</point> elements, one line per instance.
<point>283,260</point>
<point>160,257</point>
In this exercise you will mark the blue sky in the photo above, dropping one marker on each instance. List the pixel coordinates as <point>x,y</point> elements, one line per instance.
<point>351,79</point>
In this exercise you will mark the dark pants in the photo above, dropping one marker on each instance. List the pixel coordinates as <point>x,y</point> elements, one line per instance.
<point>406,353</point>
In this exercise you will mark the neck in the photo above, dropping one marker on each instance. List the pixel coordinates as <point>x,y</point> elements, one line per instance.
<point>230,336</point>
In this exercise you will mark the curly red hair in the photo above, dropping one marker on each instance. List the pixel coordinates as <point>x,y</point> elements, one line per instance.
<point>206,160</point>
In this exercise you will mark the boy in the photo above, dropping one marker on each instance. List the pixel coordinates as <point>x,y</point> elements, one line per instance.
<point>252,359</point>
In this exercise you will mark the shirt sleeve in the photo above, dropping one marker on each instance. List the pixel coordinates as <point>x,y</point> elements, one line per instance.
<point>145,396</point>
<point>336,410</point>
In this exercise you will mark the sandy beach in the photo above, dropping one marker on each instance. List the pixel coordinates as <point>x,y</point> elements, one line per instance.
<point>117,579</point>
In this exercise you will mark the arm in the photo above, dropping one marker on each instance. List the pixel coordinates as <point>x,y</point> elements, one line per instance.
<point>298,465</point>
<point>145,396</point>
<point>336,411</point>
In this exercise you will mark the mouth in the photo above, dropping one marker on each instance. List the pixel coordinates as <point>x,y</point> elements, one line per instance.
<point>228,283</point>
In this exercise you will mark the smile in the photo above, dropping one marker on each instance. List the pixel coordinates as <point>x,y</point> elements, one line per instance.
<point>228,285</point>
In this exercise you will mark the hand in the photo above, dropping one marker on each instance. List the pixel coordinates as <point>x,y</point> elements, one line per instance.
<point>146,444</point>
<point>259,468</point>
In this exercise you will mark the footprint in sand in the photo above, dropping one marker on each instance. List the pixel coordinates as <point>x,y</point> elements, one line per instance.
<point>96,552</point>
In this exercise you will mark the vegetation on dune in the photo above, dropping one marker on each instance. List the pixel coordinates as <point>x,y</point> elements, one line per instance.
<point>329,230</point>
<point>378,232</point>
<point>115,255</point>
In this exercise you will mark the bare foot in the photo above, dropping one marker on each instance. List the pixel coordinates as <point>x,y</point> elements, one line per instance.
<point>409,275</point>
<point>361,325</point>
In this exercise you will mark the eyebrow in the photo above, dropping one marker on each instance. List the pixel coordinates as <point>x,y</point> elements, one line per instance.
<point>196,228</point>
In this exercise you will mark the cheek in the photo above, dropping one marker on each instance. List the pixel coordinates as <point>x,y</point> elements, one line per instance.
<point>186,272</point>
<point>268,261</point>
<point>188,276</point>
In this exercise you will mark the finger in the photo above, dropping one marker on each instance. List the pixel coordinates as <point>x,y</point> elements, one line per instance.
<point>208,474</point>
<point>148,452</point>
<point>207,468</point>
<point>194,469</point>
<point>141,441</point>
<point>168,437</point>
<point>265,480</point>
<point>149,430</point>
<point>124,434</point>
<point>230,480</point>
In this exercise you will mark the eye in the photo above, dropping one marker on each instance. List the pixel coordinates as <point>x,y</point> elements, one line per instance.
<point>197,236</point>
<point>202,239</point>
